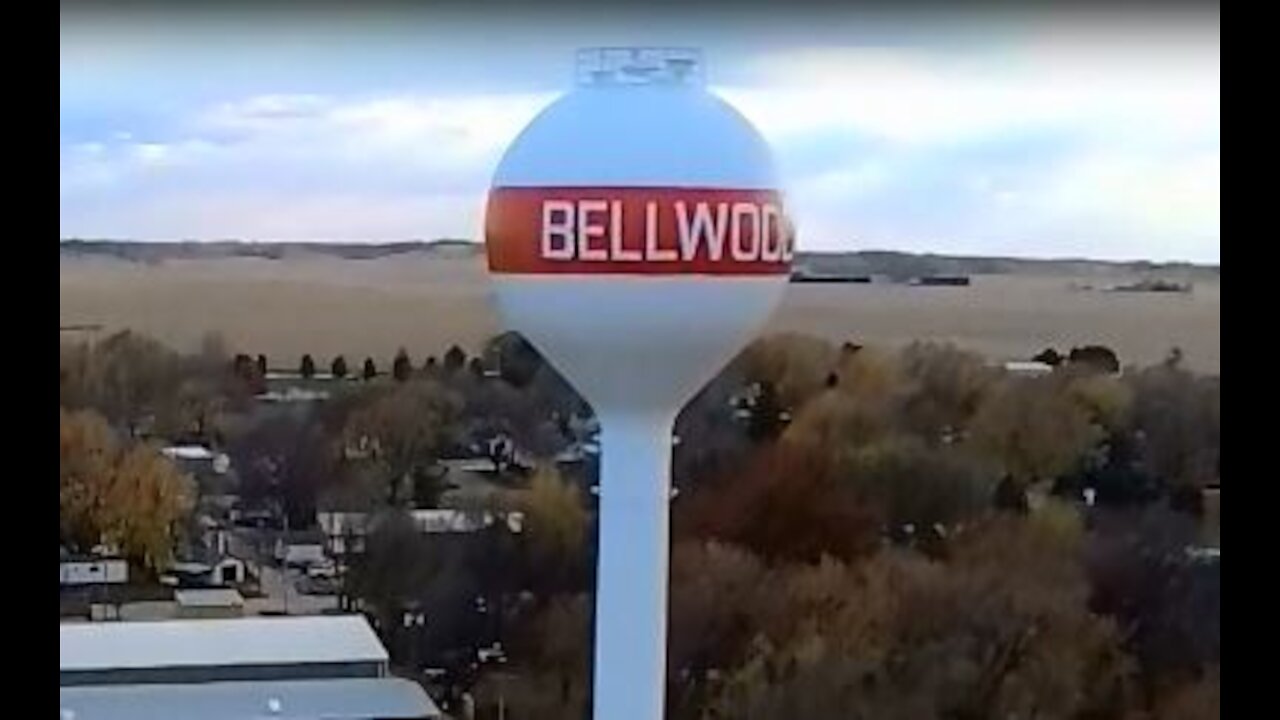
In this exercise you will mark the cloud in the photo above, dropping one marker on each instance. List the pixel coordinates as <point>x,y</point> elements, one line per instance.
<point>299,167</point>
<point>391,136</point>
<point>329,215</point>
<point>1051,147</point>
<point>921,96</point>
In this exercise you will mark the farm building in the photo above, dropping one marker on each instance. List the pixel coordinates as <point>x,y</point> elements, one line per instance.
<point>299,667</point>
<point>803,275</point>
<point>941,281</point>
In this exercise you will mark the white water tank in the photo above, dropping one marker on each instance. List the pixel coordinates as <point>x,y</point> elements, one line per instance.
<point>637,236</point>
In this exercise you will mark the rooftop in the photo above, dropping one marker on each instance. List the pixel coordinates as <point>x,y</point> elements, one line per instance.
<point>345,699</point>
<point>208,597</point>
<point>188,452</point>
<point>236,641</point>
<point>89,558</point>
<point>1028,367</point>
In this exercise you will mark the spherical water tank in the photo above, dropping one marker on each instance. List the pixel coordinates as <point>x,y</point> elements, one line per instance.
<point>637,236</point>
<point>637,223</point>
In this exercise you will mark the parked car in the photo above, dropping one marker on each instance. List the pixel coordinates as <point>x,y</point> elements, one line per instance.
<point>317,586</point>
<point>327,570</point>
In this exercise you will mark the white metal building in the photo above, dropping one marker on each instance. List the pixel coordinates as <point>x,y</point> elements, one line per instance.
<point>93,571</point>
<point>209,603</point>
<point>350,528</point>
<point>287,667</point>
<point>1027,368</point>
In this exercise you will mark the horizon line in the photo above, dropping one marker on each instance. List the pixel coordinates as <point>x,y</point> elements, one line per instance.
<point>468,241</point>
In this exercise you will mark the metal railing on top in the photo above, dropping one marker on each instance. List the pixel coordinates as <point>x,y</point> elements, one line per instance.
<point>640,66</point>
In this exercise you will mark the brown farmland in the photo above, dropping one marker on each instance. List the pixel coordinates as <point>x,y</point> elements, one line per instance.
<point>426,302</point>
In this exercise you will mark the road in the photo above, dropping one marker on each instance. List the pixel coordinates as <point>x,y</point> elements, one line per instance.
<point>279,585</point>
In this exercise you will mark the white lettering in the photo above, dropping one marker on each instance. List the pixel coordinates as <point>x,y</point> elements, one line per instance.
<point>587,231</point>
<point>741,212</point>
<point>579,231</point>
<point>701,227</point>
<point>770,230</point>
<point>651,249</point>
<point>557,230</point>
<point>619,252</point>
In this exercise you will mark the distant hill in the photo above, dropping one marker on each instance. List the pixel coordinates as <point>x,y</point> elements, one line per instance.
<point>191,250</point>
<point>893,265</point>
<point>904,266</point>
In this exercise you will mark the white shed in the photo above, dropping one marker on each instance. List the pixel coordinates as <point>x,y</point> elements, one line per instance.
<point>300,554</point>
<point>93,571</point>
<point>209,603</point>
<point>1027,368</point>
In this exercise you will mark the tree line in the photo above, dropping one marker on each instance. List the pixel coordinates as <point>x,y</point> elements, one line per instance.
<point>254,369</point>
<point>860,532</point>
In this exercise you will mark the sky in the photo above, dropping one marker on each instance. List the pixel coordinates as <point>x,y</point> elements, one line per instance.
<point>987,133</point>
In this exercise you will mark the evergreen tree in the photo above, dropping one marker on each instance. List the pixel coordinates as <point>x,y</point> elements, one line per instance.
<point>339,367</point>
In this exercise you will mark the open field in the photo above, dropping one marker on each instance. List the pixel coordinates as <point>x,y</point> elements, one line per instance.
<point>325,306</point>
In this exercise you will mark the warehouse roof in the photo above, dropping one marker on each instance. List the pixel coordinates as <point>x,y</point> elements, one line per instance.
<point>343,699</point>
<point>220,642</point>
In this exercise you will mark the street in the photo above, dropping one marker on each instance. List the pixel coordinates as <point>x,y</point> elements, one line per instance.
<point>279,585</point>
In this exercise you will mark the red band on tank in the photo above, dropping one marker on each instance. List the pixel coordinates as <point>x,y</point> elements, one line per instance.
<point>644,231</point>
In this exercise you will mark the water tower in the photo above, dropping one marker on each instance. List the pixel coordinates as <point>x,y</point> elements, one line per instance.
<point>636,236</point>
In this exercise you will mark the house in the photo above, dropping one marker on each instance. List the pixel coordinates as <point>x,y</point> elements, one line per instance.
<point>1027,368</point>
<point>228,570</point>
<point>302,554</point>
<point>210,470</point>
<point>301,549</point>
<point>198,459</point>
<point>88,571</point>
<point>208,562</point>
<point>260,518</point>
<point>467,464</point>
<point>449,520</point>
<point>578,451</point>
<point>205,669</point>
<point>345,532</point>
<point>208,603</point>
<point>212,570</point>
<point>293,395</point>
<point>90,585</point>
